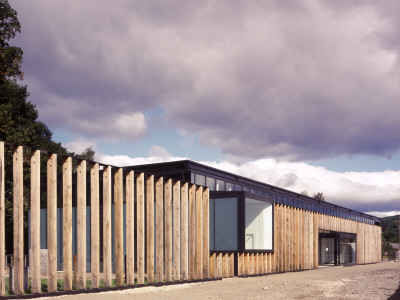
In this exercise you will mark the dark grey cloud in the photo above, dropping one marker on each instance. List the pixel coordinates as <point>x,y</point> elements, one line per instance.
<point>288,79</point>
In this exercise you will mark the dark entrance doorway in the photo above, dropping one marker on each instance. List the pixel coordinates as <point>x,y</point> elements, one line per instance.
<point>336,248</point>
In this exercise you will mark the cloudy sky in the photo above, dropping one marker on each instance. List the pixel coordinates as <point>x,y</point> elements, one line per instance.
<point>301,94</point>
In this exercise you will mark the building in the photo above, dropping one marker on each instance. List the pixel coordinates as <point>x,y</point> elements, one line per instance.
<point>248,216</point>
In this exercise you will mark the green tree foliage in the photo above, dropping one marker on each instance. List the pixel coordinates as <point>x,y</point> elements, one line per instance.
<point>319,196</point>
<point>10,56</point>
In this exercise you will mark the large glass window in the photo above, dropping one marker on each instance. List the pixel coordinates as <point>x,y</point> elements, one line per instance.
<point>220,185</point>
<point>210,183</point>
<point>200,179</point>
<point>223,224</point>
<point>258,225</point>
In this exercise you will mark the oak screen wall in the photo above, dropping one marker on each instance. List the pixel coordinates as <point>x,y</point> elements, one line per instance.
<point>167,227</point>
<point>167,223</point>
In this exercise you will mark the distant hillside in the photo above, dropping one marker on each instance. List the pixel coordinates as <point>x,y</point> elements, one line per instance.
<point>390,231</point>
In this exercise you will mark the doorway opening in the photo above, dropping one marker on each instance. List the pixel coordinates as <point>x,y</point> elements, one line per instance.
<point>336,248</point>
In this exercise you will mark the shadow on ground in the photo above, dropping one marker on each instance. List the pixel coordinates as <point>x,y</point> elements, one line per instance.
<point>396,295</point>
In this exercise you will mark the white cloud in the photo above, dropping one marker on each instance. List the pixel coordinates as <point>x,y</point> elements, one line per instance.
<point>80,144</point>
<point>384,214</point>
<point>158,151</point>
<point>363,191</point>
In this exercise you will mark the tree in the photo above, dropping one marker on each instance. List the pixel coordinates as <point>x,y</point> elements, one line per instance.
<point>319,196</point>
<point>18,117</point>
<point>10,56</point>
<point>304,193</point>
<point>87,154</point>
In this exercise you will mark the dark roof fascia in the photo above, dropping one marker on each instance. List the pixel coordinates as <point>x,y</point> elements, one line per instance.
<point>189,165</point>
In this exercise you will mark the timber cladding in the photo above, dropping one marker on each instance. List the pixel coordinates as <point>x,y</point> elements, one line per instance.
<point>166,228</point>
<point>167,224</point>
<point>296,243</point>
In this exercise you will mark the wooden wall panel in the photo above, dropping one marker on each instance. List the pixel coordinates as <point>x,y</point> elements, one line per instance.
<point>140,244</point>
<point>130,226</point>
<point>184,232</point>
<point>206,232</point>
<point>2,223</point>
<point>177,230</point>
<point>150,228</point>
<point>36,285</point>
<point>81,224</point>
<point>168,229</point>
<point>119,226</point>
<point>107,266</point>
<point>199,232</point>
<point>160,229</point>
<point>67,223</point>
<point>192,232</point>
<point>94,226</point>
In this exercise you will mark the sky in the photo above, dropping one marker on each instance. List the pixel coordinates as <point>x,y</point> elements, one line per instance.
<point>299,94</point>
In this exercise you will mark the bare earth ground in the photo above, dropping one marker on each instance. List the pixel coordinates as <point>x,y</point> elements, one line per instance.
<point>374,281</point>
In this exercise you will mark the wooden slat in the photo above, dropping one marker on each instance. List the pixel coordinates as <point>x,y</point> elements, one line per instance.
<point>225,265</point>
<point>94,225</point>
<point>119,226</point>
<point>81,224</point>
<point>140,227</point>
<point>184,231</point>
<point>150,227</point>
<point>168,229</point>
<point>315,217</point>
<point>246,264</point>
<point>177,230</point>
<point>212,265</point>
<point>160,229</point>
<point>192,232</point>
<point>67,222</point>
<point>2,223</point>
<point>35,222</point>
<point>107,267</point>
<point>199,232</point>
<point>219,266</point>
<point>130,227</point>
<point>231,265</point>
<point>206,233</point>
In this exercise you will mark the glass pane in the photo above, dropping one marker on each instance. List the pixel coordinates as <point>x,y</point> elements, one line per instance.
<point>200,179</point>
<point>210,183</point>
<point>220,185</point>
<point>225,218</point>
<point>238,187</point>
<point>258,225</point>
<point>229,186</point>
<point>254,191</point>
<point>246,189</point>
<point>191,177</point>
<point>212,224</point>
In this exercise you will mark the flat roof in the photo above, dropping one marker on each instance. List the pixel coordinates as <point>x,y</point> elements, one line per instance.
<point>181,166</point>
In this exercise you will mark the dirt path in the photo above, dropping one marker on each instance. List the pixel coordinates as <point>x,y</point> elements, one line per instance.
<point>376,281</point>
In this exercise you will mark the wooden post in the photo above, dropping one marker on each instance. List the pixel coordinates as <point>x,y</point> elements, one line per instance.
<point>177,230</point>
<point>206,233</point>
<point>212,265</point>
<point>140,227</point>
<point>107,264</point>
<point>81,226</point>
<point>94,227</point>
<point>160,229</point>
<point>150,227</point>
<point>35,222</point>
<point>199,232</point>
<point>130,228</point>
<point>184,231</point>
<point>231,268</point>
<point>219,265</point>
<point>168,229</point>
<point>192,232</point>
<point>119,226</point>
<point>67,222</point>
<point>2,223</point>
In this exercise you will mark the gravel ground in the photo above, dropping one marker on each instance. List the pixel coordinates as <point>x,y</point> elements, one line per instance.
<point>374,281</point>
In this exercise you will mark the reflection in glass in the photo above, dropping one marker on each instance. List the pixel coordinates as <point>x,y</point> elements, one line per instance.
<point>229,186</point>
<point>220,186</point>
<point>258,225</point>
<point>210,183</point>
<point>200,179</point>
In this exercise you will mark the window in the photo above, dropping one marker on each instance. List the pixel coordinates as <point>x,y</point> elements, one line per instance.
<point>258,225</point>
<point>200,179</point>
<point>220,185</point>
<point>229,186</point>
<point>238,187</point>
<point>210,183</point>
<point>223,224</point>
